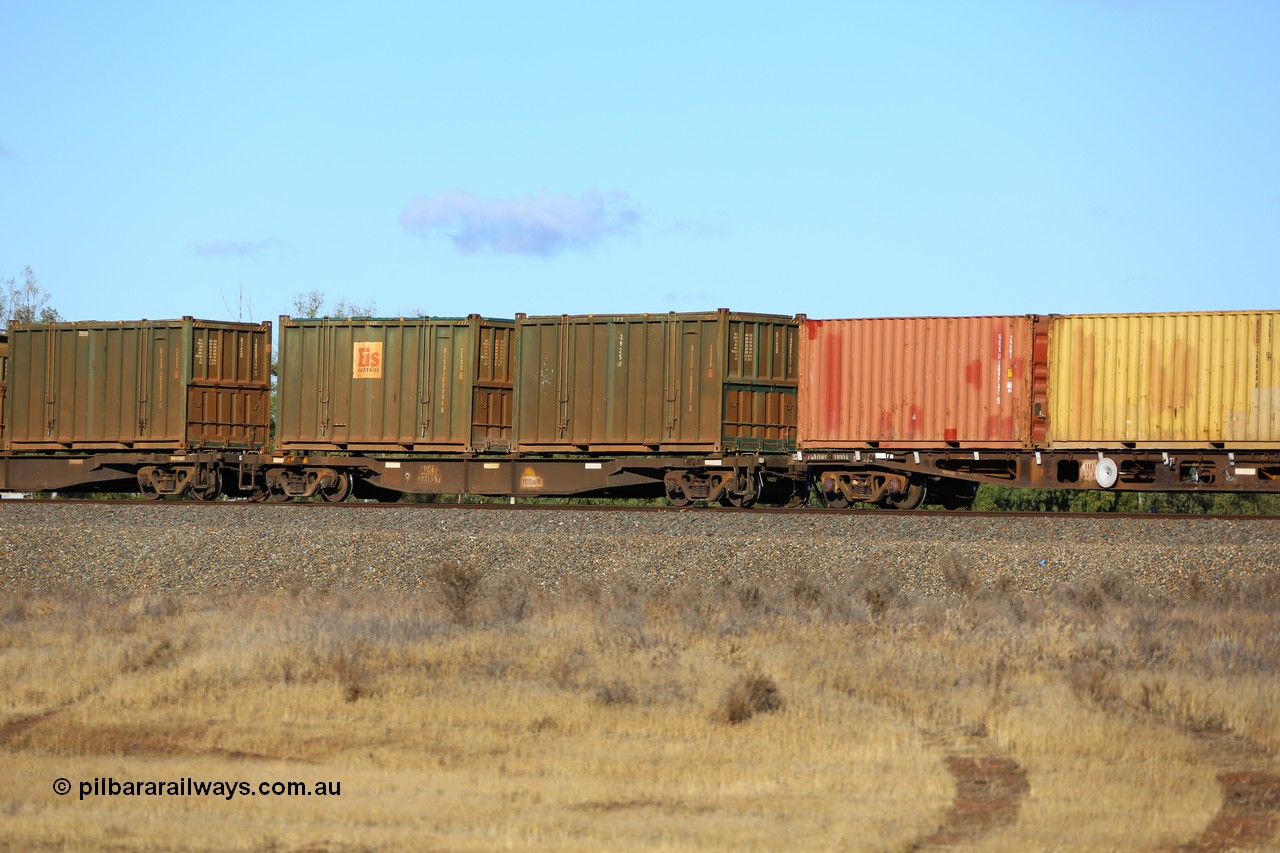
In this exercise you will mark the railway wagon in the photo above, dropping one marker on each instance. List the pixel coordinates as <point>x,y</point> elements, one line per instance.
<point>162,401</point>
<point>657,383</point>
<point>1166,400</point>
<point>884,399</point>
<point>395,384</point>
<point>430,387</point>
<point>897,411</point>
<point>713,393</point>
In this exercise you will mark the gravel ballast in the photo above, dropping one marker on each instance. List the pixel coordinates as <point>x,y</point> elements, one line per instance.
<point>192,549</point>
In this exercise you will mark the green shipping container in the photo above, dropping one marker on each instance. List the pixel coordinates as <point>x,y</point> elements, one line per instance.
<point>665,383</point>
<point>395,384</point>
<point>4,382</point>
<point>169,385</point>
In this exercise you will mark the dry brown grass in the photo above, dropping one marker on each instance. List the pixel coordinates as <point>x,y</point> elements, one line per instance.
<point>797,710</point>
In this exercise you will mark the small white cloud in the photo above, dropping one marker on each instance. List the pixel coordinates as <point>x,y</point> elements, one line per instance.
<point>236,248</point>
<point>532,225</point>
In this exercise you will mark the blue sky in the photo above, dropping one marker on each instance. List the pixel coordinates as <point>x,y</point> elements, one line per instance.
<point>838,159</point>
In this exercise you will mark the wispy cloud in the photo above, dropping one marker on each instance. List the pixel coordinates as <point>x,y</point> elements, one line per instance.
<point>531,225</point>
<point>6,154</point>
<point>236,248</point>
<point>698,227</point>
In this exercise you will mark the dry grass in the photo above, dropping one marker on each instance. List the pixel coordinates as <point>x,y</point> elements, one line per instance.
<point>787,710</point>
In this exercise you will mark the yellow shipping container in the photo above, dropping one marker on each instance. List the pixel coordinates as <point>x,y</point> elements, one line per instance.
<point>1178,380</point>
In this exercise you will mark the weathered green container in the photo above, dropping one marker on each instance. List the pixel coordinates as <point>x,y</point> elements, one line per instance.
<point>395,384</point>
<point>170,385</point>
<point>665,383</point>
<point>4,383</point>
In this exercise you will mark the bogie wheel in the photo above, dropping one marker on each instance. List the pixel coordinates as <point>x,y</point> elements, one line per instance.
<point>149,493</point>
<point>837,501</point>
<point>743,498</point>
<point>339,492</point>
<point>912,498</point>
<point>211,488</point>
<point>958,496</point>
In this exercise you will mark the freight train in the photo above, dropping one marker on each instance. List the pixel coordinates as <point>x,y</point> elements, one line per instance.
<point>716,407</point>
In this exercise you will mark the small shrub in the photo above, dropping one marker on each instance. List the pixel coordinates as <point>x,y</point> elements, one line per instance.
<point>958,576</point>
<point>511,599</point>
<point>750,597</point>
<point>544,724</point>
<point>349,668</point>
<point>750,695</point>
<point>806,592</point>
<point>459,585</point>
<point>877,586</point>
<point>1096,685</point>
<point>616,692</point>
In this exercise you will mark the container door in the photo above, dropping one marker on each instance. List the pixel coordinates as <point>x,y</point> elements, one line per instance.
<point>761,376</point>
<point>491,406</point>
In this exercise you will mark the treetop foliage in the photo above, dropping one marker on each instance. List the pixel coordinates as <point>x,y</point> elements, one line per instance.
<point>25,303</point>
<point>311,305</point>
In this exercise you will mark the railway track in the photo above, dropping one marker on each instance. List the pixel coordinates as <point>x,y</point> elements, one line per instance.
<point>374,506</point>
<point>180,547</point>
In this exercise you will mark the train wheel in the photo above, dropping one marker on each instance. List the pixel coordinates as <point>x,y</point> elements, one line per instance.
<point>911,498</point>
<point>837,501</point>
<point>674,487</point>
<point>211,488</point>
<point>745,496</point>
<point>340,492</point>
<point>957,495</point>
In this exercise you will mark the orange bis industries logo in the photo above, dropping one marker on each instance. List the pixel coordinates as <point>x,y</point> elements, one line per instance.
<point>366,360</point>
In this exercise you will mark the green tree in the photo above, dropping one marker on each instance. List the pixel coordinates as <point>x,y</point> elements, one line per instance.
<point>311,305</point>
<point>25,303</point>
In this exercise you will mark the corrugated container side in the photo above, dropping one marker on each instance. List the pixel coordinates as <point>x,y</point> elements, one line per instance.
<point>1186,379</point>
<point>656,382</point>
<point>229,385</point>
<point>4,384</point>
<point>164,384</point>
<point>395,384</point>
<point>917,382</point>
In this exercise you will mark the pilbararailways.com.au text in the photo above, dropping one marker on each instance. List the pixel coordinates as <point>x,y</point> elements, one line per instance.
<point>189,787</point>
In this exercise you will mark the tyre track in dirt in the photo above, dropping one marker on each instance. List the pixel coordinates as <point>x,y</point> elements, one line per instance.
<point>989,794</point>
<point>1249,816</point>
<point>1250,813</point>
<point>990,788</point>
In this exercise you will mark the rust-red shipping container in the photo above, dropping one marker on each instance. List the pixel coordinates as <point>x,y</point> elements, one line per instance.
<point>665,383</point>
<point>1165,381</point>
<point>920,382</point>
<point>395,384</point>
<point>144,385</point>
